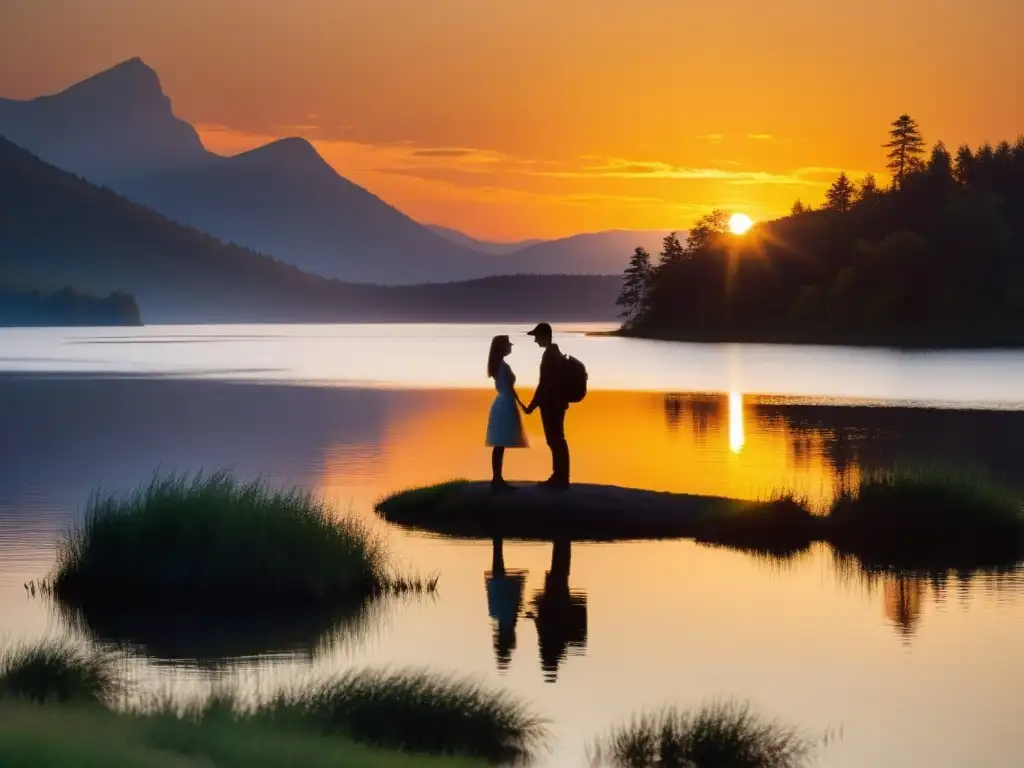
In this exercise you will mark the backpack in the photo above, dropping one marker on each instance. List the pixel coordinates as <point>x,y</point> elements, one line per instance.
<point>574,380</point>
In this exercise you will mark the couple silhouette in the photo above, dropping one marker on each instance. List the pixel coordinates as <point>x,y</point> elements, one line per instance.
<point>505,425</point>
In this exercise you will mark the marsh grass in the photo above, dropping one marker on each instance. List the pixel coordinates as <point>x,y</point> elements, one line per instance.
<point>928,498</point>
<point>89,737</point>
<point>716,735</point>
<point>781,525</point>
<point>58,670</point>
<point>413,711</point>
<point>215,541</point>
<point>928,517</point>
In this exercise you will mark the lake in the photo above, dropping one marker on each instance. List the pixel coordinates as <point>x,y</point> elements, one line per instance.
<point>897,668</point>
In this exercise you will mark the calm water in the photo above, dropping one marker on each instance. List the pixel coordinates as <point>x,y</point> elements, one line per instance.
<point>903,669</point>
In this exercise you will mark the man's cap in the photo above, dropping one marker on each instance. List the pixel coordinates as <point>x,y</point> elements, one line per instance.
<point>542,329</point>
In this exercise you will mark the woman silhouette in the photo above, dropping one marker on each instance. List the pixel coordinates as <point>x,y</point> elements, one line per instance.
<point>505,425</point>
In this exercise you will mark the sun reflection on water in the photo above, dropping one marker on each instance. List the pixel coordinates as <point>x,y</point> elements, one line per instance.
<point>737,436</point>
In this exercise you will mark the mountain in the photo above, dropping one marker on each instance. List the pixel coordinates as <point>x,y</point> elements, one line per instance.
<point>483,246</point>
<point>117,128</point>
<point>112,125</point>
<point>283,199</point>
<point>58,229</point>
<point>598,253</point>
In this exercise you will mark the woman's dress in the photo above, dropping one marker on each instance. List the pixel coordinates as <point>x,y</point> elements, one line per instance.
<point>505,425</point>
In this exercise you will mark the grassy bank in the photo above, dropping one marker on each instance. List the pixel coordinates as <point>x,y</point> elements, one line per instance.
<point>214,541</point>
<point>718,735</point>
<point>409,711</point>
<point>90,737</point>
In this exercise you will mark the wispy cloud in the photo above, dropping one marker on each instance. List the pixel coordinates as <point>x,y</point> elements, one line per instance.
<point>714,138</point>
<point>442,153</point>
<point>759,136</point>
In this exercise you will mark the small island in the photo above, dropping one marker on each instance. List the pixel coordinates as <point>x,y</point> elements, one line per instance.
<point>909,516</point>
<point>66,307</point>
<point>932,260</point>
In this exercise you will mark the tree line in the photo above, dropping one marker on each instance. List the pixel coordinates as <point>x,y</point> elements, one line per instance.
<point>66,307</point>
<point>934,258</point>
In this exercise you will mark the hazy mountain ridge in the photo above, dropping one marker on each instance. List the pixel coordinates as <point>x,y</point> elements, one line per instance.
<point>483,246</point>
<point>67,231</point>
<point>284,199</point>
<point>118,128</point>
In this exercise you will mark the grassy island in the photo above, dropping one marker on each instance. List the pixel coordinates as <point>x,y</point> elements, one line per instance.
<point>911,515</point>
<point>215,541</point>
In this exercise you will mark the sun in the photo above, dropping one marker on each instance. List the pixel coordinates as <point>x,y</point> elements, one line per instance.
<point>739,223</point>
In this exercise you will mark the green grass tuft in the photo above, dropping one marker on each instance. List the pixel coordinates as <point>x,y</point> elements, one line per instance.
<point>413,711</point>
<point>72,737</point>
<point>928,498</point>
<point>717,735</point>
<point>218,542</point>
<point>57,670</point>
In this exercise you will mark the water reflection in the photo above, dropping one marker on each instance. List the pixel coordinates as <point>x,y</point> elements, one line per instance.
<point>214,639</point>
<point>559,612</point>
<point>504,602</point>
<point>737,433</point>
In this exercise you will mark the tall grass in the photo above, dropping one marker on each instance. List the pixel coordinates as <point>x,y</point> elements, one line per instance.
<point>58,670</point>
<point>413,711</point>
<point>213,540</point>
<point>74,737</point>
<point>928,498</point>
<point>717,735</point>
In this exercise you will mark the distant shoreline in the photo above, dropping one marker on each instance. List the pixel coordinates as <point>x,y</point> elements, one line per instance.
<point>783,339</point>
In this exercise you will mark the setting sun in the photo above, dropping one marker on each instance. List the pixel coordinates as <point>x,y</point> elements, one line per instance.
<point>739,223</point>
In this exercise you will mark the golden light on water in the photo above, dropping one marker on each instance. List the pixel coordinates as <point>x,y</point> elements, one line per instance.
<point>740,223</point>
<point>737,436</point>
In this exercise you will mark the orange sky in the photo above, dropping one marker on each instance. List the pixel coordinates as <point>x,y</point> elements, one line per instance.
<point>540,118</point>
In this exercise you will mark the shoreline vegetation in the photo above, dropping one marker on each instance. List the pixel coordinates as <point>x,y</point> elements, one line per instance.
<point>63,704</point>
<point>910,516</point>
<point>410,711</point>
<point>928,262</point>
<point>66,307</point>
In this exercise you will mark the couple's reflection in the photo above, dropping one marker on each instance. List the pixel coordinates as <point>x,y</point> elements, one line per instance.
<point>559,614</point>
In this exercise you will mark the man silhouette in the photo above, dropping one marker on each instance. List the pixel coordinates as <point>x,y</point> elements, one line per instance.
<point>550,398</point>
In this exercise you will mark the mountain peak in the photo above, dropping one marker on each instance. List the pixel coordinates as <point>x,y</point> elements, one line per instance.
<point>292,152</point>
<point>131,81</point>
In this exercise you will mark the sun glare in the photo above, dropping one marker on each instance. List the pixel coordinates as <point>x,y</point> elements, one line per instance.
<point>739,223</point>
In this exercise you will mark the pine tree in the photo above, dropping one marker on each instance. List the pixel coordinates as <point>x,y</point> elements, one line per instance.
<point>798,208</point>
<point>706,230</point>
<point>964,164</point>
<point>841,194</point>
<point>906,148</point>
<point>672,251</point>
<point>940,165</point>
<point>636,285</point>
<point>868,188</point>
